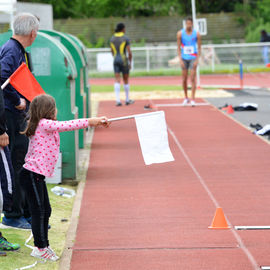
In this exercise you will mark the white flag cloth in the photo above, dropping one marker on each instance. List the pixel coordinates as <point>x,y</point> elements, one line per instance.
<point>153,137</point>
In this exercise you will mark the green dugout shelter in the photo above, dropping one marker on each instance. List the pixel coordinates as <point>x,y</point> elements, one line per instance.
<point>86,79</point>
<point>81,97</point>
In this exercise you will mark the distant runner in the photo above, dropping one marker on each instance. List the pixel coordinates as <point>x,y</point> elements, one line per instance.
<point>119,45</point>
<point>189,51</point>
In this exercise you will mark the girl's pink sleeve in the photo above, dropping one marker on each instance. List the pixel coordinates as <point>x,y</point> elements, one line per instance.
<point>60,126</point>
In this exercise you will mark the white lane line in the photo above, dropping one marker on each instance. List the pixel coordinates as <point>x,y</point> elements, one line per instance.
<point>181,105</point>
<point>252,227</point>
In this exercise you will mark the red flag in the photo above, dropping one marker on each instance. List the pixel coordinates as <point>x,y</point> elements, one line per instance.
<point>25,83</point>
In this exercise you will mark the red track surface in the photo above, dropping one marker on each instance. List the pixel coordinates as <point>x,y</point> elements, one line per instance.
<point>250,79</point>
<point>137,217</point>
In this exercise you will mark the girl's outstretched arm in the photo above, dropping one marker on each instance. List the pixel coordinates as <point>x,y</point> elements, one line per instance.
<point>61,126</point>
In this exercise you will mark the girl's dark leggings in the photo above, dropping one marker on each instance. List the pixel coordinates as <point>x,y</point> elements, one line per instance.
<point>37,196</point>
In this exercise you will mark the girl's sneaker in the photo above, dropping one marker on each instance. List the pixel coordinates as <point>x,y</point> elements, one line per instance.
<point>53,253</point>
<point>43,253</point>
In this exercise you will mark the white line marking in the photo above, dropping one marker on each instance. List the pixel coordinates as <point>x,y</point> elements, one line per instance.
<point>181,105</point>
<point>226,86</point>
<point>237,237</point>
<point>252,227</point>
<point>194,169</point>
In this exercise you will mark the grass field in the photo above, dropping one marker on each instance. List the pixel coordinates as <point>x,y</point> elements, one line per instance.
<point>137,88</point>
<point>59,221</point>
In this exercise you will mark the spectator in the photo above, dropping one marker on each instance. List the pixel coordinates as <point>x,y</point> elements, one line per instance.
<point>6,173</point>
<point>12,54</point>
<point>43,131</point>
<point>265,38</point>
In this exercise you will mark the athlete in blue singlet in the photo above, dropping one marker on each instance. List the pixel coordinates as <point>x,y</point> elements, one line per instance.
<point>189,50</point>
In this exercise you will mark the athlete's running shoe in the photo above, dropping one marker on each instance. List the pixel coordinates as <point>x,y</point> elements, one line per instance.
<point>118,104</point>
<point>185,102</point>
<point>43,253</point>
<point>7,246</point>
<point>130,102</point>
<point>193,103</point>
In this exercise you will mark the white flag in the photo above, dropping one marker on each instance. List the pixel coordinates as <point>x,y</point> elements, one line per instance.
<point>153,137</point>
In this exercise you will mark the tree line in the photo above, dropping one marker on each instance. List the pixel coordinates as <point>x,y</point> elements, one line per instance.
<point>254,14</point>
<point>124,8</point>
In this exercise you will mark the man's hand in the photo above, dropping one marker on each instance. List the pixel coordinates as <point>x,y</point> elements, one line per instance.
<point>22,105</point>
<point>4,141</point>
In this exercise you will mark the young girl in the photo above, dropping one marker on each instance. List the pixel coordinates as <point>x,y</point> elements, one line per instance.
<point>43,129</point>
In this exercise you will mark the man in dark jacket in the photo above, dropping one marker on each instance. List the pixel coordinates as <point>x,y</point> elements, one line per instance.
<point>6,174</point>
<point>12,54</point>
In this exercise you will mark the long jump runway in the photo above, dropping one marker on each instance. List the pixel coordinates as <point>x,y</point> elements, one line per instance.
<point>137,217</point>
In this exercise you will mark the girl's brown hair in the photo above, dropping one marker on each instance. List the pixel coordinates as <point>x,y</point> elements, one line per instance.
<point>42,106</point>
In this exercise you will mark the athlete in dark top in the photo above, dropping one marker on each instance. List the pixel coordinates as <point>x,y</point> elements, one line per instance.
<point>120,46</point>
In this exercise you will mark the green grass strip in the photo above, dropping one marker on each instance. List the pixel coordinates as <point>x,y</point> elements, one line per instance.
<point>136,88</point>
<point>61,209</point>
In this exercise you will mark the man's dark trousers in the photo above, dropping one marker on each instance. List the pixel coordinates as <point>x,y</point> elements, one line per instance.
<point>18,145</point>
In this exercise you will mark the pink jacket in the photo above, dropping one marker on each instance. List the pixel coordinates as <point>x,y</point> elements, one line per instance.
<point>44,145</point>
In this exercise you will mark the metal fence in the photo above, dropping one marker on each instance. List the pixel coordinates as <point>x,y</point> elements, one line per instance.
<point>214,57</point>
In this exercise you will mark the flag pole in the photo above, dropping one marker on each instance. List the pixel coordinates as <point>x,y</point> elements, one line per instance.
<point>5,84</point>
<point>121,118</point>
<point>132,116</point>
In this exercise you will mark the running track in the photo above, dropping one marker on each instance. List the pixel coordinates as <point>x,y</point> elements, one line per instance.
<point>250,79</point>
<point>137,217</point>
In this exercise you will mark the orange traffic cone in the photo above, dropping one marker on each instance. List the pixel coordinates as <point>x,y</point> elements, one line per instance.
<point>230,109</point>
<point>219,220</point>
